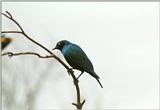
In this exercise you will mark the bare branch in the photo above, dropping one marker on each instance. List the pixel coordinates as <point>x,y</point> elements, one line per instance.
<point>9,14</point>
<point>11,54</point>
<point>70,71</point>
<point>35,42</point>
<point>19,32</point>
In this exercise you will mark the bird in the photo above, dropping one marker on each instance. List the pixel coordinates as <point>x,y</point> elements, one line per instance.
<point>76,58</point>
<point>5,41</point>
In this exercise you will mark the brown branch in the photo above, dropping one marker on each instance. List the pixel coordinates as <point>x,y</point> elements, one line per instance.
<point>9,16</point>
<point>70,71</point>
<point>11,54</point>
<point>19,32</point>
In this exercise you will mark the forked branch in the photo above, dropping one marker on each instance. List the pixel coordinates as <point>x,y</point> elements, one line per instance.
<point>8,15</point>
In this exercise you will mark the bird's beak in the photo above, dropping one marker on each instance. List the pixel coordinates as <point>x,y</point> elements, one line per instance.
<point>54,48</point>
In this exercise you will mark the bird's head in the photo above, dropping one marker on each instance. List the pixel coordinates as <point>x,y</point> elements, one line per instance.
<point>61,44</point>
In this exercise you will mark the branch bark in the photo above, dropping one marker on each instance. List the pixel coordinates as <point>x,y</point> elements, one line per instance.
<point>11,54</point>
<point>8,15</point>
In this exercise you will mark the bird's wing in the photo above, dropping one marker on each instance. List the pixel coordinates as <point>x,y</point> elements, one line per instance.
<point>76,57</point>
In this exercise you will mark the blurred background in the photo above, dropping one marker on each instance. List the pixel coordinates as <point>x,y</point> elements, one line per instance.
<point>121,39</point>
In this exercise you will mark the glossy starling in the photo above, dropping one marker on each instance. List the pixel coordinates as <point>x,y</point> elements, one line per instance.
<point>76,58</point>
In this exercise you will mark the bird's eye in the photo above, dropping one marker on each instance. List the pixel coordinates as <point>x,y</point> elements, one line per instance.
<point>59,43</point>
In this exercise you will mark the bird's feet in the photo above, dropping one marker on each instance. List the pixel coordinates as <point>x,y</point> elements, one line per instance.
<point>80,75</point>
<point>76,81</point>
<point>70,70</point>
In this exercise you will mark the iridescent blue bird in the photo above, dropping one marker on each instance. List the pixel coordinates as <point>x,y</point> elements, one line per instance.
<point>76,58</point>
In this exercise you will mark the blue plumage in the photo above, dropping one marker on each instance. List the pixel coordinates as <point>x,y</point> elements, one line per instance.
<point>77,58</point>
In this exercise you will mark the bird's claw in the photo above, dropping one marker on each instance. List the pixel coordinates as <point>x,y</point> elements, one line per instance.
<point>76,81</point>
<point>70,70</point>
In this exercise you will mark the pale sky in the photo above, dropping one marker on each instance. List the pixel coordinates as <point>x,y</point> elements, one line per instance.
<point>121,39</point>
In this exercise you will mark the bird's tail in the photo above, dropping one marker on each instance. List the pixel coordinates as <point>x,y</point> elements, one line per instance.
<point>97,78</point>
<point>99,83</point>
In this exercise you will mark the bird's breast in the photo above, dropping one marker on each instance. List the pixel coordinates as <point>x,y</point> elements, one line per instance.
<point>65,50</point>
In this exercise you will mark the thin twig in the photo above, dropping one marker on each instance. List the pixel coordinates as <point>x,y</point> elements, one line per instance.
<point>19,32</point>
<point>9,16</point>
<point>70,71</point>
<point>11,54</point>
<point>25,35</point>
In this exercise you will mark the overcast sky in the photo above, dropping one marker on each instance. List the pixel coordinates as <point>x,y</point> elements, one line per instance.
<point>121,39</point>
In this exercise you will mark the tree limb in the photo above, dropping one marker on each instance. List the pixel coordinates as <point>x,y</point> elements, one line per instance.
<point>19,32</point>
<point>11,54</point>
<point>79,104</point>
